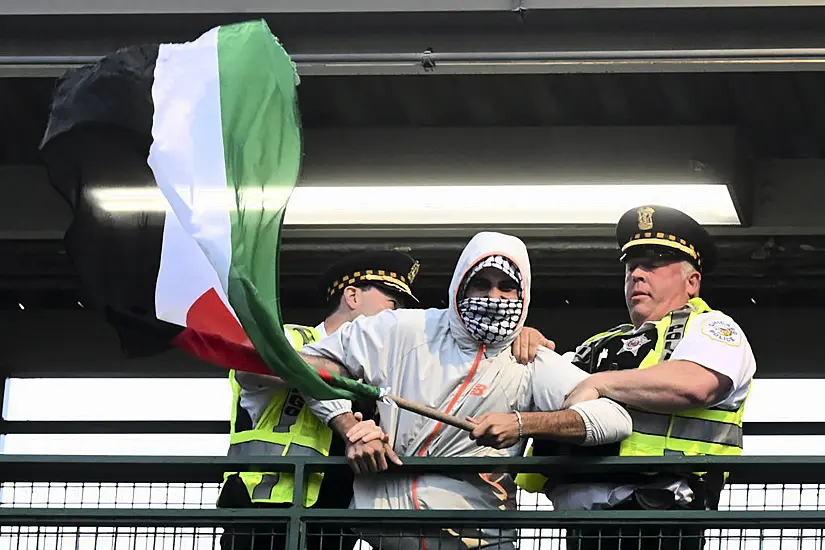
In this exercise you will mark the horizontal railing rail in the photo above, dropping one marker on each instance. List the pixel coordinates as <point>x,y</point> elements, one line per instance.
<point>788,519</point>
<point>181,469</point>
<point>778,519</point>
<point>159,427</point>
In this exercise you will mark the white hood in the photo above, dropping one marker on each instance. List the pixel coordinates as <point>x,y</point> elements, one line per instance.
<point>481,246</point>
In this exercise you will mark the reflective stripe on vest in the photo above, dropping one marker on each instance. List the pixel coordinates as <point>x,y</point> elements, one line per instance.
<point>264,448</point>
<point>698,432</point>
<point>286,428</point>
<point>696,429</point>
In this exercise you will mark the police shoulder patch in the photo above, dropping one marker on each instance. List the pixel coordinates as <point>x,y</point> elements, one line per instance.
<point>722,331</point>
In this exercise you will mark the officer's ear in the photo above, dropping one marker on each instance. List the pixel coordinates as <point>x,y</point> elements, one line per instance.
<point>350,297</point>
<point>694,283</point>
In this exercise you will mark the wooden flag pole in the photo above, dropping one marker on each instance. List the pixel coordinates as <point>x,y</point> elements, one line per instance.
<point>405,404</point>
<point>435,414</point>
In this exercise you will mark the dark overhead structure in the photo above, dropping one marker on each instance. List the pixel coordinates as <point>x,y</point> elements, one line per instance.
<point>473,92</point>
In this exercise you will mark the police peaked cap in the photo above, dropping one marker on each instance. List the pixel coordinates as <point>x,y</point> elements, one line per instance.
<point>661,231</point>
<point>387,269</point>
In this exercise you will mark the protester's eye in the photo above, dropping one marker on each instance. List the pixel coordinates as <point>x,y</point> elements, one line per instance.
<point>507,287</point>
<point>481,284</point>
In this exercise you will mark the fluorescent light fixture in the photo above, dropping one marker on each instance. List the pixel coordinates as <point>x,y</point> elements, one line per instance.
<point>709,204</point>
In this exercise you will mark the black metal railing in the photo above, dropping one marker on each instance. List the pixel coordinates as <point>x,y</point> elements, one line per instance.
<point>165,502</point>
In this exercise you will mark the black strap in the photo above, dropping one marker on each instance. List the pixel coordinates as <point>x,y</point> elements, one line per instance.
<point>234,494</point>
<point>707,489</point>
<point>304,332</point>
<point>713,483</point>
<point>675,331</point>
<point>625,478</point>
<point>621,479</point>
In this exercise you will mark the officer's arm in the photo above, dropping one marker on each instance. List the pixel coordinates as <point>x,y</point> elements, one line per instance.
<point>671,386</point>
<point>711,362</point>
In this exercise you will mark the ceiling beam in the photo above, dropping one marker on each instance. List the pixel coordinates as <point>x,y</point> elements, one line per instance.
<point>427,62</point>
<point>356,37</point>
<point>164,7</point>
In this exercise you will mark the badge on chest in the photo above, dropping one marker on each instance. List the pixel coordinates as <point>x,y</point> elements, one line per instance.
<point>623,351</point>
<point>634,344</point>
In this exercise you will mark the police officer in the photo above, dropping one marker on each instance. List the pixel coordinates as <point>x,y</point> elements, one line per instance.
<point>271,419</point>
<point>682,370</point>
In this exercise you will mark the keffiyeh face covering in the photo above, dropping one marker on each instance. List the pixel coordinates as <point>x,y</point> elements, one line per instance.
<point>491,320</point>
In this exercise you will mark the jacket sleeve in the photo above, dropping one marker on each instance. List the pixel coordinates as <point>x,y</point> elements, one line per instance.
<point>325,411</point>
<point>367,347</point>
<point>605,421</point>
<point>553,378</point>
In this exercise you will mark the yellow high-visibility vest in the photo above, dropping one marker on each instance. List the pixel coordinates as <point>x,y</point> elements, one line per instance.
<point>287,427</point>
<point>698,432</point>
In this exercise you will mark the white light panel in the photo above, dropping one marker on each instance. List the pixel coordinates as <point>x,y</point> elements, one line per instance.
<point>709,204</point>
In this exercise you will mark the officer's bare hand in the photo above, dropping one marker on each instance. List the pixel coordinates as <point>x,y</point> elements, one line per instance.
<point>527,345</point>
<point>585,391</point>
<point>496,430</point>
<point>368,447</point>
<point>366,431</point>
<point>370,458</point>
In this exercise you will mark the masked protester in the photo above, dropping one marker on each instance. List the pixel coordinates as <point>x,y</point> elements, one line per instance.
<point>459,360</point>
<point>270,418</point>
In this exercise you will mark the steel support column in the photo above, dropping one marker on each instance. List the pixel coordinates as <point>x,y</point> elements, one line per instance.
<point>3,401</point>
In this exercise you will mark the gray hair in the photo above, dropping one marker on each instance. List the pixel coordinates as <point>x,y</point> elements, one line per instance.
<point>687,270</point>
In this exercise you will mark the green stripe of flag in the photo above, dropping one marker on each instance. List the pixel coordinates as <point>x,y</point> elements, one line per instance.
<point>262,152</point>
<point>254,94</point>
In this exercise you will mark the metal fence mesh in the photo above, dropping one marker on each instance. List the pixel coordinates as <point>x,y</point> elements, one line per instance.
<point>199,496</point>
<point>738,497</point>
<point>204,495</point>
<point>108,538</point>
<point>109,495</point>
<point>202,538</point>
<point>779,496</point>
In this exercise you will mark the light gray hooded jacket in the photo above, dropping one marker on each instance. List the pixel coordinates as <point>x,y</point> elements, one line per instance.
<point>429,357</point>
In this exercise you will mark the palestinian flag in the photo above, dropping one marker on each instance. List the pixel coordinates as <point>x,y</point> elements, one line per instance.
<point>178,161</point>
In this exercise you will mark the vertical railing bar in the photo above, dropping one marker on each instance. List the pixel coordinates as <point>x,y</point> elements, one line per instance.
<point>296,516</point>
